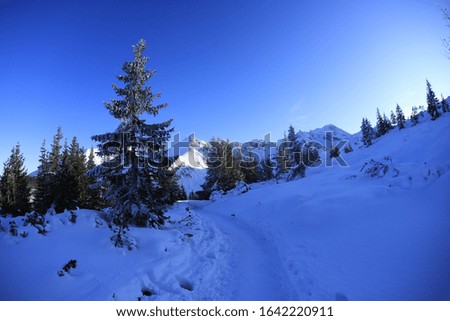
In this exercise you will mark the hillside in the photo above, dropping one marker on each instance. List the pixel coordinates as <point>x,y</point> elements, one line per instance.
<point>375,230</point>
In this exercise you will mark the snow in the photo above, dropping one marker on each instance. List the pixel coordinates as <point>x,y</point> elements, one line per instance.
<point>34,173</point>
<point>191,165</point>
<point>192,158</point>
<point>340,233</point>
<point>319,134</point>
<point>191,179</point>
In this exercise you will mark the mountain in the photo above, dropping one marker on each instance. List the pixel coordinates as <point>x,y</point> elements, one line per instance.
<point>192,165</point>
<point>319,135</point>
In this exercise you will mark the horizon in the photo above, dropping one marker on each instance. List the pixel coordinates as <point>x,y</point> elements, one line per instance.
<point>233,70</point>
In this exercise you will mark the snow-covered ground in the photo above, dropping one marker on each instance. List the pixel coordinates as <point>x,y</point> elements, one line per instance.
<point>376,230</point>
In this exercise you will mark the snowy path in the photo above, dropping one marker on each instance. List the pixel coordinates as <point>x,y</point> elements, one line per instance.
<point>255,271</point>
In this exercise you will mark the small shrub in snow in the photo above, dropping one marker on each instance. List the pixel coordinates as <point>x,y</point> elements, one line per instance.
<point>37,220</point>
<point>215,195</point>
<point>378,169</point>
<point>187,220</point>
<point>241,188</point>
<point>121,239</point>
<point>24,234</point>
<point>106,215</point>
<point>2,229</point>
<point>98,222</point>
<point>72,264</point>
<point>348,148</point>
<point>13,228</point>
<point>73,217</point>
<point>334,152</point>
<point>375,168</point>
<point>147,292</point>
<point>414,116</point>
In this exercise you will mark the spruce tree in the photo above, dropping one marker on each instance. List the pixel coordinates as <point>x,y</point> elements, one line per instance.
<point>400,117</point>
<point>444,105</point>
<point>54,158</point>
<point>14,189</point>
<point>54,166</point>
<point>414,116</point>
<point>367,132</point>
<point>433,102</point>
<point>267,166</point>
<point>311,155</point>
<point>169,190</point>
<point>78,171</point>
<point>230,171</point>
<point>294,156</point>
<point>294,150</point>
<point>250,169</point>
<point>380,126</point>
<point>42,196</point>
<point>71,180</point>
<point>134,180</point>
<point>348,148</point>
<point>282,159</point>
<point>93,199</point>
<point>62,182</point>
<point>393,118</point>
<point>214,161</point>
<point>224,170</point>
<point>387,124</point>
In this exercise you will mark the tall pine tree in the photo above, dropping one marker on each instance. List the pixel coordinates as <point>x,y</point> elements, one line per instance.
<point>250,168</point>
<point>42,196</point>
<point>224,170</point>
<point>267,167</point>
<point>230,171</point>
<point>444,105</point>
<point>380,127</point>
<point>14,189</point>
<point>295,156</point>
<point>71,179</point>
<point>433,102</point>
<point>367,132</point>
<point>400,117</point>
<point>387,123</point>
<point>95,188</point>
<point>54,166</point>
<point>54,158</point>
<point>414,116</point>
<point>282,159</point>
<point>214,161</point>
<point>135,166</point>
<point>393,118</point>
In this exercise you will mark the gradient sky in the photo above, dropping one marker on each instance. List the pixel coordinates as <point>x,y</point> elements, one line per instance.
<point>231,69</point>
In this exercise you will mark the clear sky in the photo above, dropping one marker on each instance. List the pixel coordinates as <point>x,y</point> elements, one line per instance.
<point>232,69</point>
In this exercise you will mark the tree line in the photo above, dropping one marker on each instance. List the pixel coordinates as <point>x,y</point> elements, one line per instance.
<point>435,109</point>
<point>61,182</point>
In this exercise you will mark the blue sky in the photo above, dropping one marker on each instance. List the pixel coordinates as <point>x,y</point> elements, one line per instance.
<point>232,68</point>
